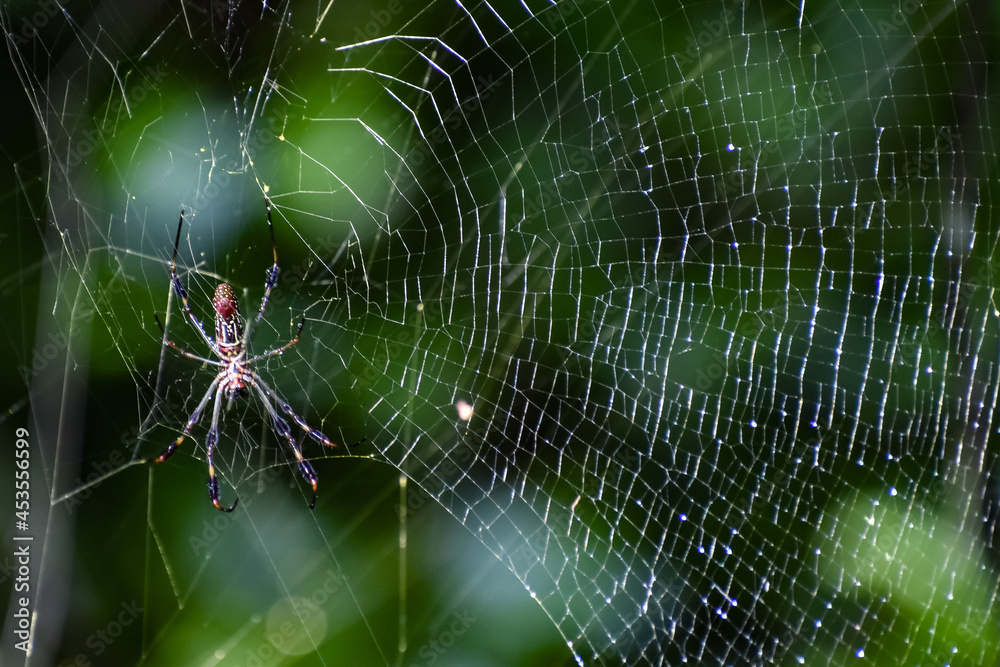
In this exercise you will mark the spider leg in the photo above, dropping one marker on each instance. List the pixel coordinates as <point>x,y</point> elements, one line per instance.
<point>214,362</point>
<point>281,426</point>
<point>272,273</point>
<point>192,420</point>
<point>287,409</point>
<point>213,437</point>
<point>280,350</point>
<point>182,293</point>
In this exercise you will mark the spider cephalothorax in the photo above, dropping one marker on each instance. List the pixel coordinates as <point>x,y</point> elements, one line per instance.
<point>235,377</point>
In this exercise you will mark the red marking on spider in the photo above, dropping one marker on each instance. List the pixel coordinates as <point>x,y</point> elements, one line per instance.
<point>225,301</point>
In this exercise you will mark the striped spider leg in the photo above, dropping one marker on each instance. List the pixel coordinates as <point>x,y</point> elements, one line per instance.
<point>235,376</point>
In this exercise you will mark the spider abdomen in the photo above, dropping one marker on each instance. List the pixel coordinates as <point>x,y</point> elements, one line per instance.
<point>228,322</point>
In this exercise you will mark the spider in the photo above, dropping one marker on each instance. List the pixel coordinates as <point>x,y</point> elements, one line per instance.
<point>235,375</point>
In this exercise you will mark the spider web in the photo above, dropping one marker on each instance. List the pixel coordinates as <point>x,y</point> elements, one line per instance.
<point>667,331</point>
